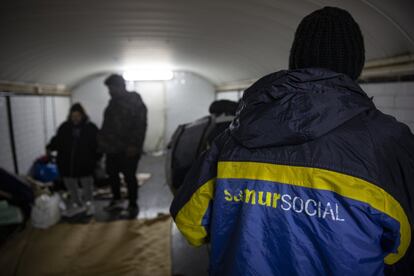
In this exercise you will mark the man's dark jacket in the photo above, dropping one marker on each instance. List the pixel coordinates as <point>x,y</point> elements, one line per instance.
<point>310,179</point>
<point>77,149</point>
<point>124,125</point>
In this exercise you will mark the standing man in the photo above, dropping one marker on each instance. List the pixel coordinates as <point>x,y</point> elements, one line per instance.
<point>121,139</point>
<point>310,178</point>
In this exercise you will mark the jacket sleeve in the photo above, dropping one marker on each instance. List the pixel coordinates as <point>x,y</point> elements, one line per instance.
<point>103,135</point>
<point>93,141</point>
<point>191,207</point>
<point>139,126</point>
<point>401,161</point>
<point>56,141</point>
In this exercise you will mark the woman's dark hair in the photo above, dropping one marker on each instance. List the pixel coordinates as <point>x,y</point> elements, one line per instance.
<point>77,107</point>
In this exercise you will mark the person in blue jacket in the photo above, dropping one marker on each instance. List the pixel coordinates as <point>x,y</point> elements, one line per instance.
<point>310,178</point>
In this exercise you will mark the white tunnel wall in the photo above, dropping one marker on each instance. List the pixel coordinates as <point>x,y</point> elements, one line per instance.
<point>395,99</point>
<point>6,156</point>
<point>153,95</point>
<point>94,96</point>
<point>188,98</point>
<point>34,120</point>
<point>170,103</point>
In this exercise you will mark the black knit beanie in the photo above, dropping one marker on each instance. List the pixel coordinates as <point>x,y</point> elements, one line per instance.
<point>329,38</point>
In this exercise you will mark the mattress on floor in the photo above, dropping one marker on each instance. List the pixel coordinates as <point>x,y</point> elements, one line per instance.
<point>128,247</point>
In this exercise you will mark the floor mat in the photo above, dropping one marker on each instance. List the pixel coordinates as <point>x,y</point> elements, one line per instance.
<point>128,247</point>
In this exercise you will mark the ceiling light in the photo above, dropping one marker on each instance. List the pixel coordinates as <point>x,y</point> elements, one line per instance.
<point>148,75</point>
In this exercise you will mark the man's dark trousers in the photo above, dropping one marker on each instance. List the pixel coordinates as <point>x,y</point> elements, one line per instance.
<point>116,163</point>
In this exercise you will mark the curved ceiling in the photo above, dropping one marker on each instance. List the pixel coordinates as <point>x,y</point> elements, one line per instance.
<point>61,42</point>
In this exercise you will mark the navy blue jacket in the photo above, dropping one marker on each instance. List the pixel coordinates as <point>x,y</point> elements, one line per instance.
<point>310,179</point>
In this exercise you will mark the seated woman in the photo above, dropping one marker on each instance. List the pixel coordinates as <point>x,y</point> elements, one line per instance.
<point>76,146</point>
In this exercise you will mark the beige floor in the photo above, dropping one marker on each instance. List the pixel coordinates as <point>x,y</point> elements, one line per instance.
<point>134,247</point>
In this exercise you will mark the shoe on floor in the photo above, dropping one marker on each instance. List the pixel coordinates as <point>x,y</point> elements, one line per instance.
<point>131,212</point>
<point>73,211</point>
<point>114,205</point>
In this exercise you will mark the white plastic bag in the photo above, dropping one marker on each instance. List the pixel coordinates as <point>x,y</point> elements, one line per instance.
<point>45,212</point>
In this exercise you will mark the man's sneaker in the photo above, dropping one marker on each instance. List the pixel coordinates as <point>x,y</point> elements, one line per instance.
<point>133,211</point>
<point>114,205</point>
<point>73,211</point>
<point>133,207</point>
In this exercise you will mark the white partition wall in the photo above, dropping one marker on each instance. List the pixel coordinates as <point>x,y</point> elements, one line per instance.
<point>61,109</point>
<point>29,132</point>
<point>49,118</point>
<point>34,121</point>
<point>6,156</point>
<point>229,95</point>
<point>188,98</point>
<point>153,94</point>
<point>94,97</point>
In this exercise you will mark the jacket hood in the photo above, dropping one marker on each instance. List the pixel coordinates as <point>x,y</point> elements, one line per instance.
<point>293,107</point>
